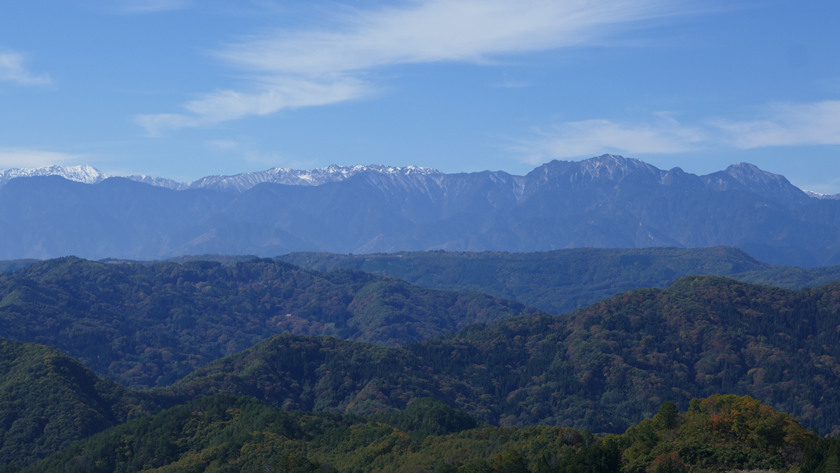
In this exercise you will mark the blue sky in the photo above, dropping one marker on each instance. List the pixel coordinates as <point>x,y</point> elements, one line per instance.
<point>188,88</point>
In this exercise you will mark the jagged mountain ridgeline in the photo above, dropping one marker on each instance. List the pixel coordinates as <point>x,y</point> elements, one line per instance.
<point>606,202</point>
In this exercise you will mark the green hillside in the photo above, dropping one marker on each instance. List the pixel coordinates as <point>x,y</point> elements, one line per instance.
<point>230,434</point>
<point>150,324</point>
<point>49,400</point>
<point>602,368</point>
<point>565,280</point>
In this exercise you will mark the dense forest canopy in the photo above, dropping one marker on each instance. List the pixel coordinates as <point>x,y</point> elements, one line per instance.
<point>149,325</point>
<point>234,434</point>
<point>692,377</point>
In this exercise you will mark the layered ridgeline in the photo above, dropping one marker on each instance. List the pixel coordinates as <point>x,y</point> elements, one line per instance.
<point>149,325</point>
<point>601,369</point>
<point>557,281</point>
<point>604,202</point>
<point>561,281</point>
<point>229,434</point>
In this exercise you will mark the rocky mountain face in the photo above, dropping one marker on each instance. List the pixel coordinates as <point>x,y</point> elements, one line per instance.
<point>606,202</point>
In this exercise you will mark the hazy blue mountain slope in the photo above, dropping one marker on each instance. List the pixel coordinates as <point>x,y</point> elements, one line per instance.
<point>564,280</point>
<point>51,216</point>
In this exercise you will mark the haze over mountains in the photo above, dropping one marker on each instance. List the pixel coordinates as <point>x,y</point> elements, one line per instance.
<point>605,202</point>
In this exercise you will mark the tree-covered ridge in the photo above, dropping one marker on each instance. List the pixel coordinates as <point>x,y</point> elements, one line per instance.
<point>562,281</point>
<point>49,400</point>
<point>234,434</point>
<point>148,325</point>
<point>602,368</point>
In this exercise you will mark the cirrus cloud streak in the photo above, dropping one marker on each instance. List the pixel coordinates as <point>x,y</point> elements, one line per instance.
<point>33,158</point>
<point>784,124</point>
<point>338,60</point>
<point>12,69</point>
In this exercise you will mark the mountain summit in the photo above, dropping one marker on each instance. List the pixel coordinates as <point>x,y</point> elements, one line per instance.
<point>606,202</point>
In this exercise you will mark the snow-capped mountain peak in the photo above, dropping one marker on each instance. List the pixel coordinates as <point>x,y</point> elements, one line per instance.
<point>84,173</point>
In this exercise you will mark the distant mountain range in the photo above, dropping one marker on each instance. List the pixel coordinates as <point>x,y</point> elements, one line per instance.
<point>237,183</point>
<point>605,202</point>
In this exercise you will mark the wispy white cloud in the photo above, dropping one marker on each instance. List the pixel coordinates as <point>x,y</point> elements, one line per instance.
<point>12,69</point>
<point>278,94</point>
<point>787,124</point>
<point>334,63</point>
<point>441,30</point>
<point>663,134</point>
<point>790,124</point>
<point>130,7</point>
<point>22,157</point>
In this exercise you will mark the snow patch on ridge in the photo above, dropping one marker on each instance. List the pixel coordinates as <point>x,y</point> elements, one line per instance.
<point>817,195</point>
<point>295,177</point>
<point>236,183</point>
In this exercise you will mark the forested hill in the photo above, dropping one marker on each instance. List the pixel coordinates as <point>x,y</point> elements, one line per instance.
<point>601,368</point>
<point>562,281</point>
<point>148,325</point>
<point>234,434</point>
<point>49,400</point>
<point>51,406</point>
<point>557,282</point>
